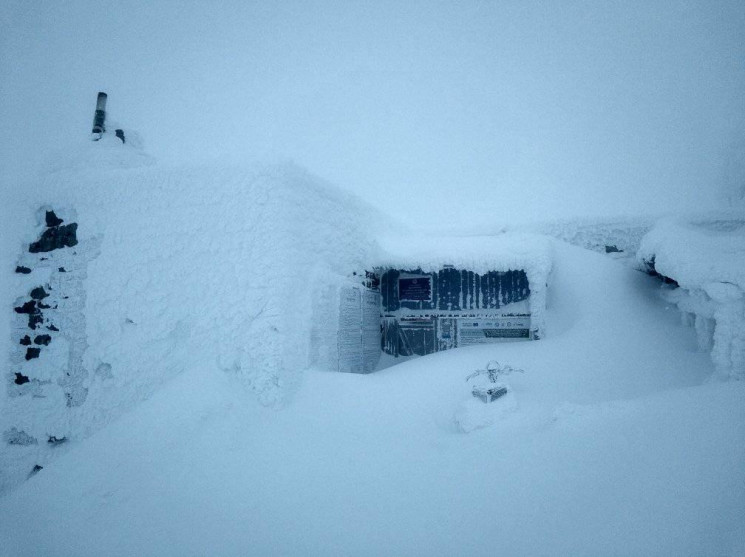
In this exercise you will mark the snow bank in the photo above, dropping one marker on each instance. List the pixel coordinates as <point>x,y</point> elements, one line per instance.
<point>706,258</point>
<point>174,268</point>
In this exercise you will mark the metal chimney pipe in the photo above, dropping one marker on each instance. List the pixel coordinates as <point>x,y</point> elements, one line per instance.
<point>99,119</point>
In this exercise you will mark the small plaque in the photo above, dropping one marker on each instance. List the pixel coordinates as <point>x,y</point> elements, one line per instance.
<point>415,288</point>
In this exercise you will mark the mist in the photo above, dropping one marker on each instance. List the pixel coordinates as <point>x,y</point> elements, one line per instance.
<point>456,112</point>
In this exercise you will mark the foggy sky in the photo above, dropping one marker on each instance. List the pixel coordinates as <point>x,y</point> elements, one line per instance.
<point>438,111</point>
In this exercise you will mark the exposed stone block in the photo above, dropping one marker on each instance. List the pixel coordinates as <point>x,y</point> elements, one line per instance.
<point>29,307</point>
<point>55,238</point>
<point>52,219</point>
<point>39,293</point>
<point>35,319</point>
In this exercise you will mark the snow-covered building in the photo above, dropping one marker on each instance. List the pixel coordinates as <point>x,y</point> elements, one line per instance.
<point>703,260</point>
<point>441,293</point>
<point>128,272</point>
<point>236,270</point>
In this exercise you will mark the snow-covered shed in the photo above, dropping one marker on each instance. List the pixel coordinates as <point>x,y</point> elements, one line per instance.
<point>704,260</point>
<point>441,293</point>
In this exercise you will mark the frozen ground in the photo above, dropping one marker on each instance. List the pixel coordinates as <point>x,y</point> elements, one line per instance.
<point>618,445</point>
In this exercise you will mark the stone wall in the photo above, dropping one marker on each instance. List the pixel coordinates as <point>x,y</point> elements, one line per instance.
<point>46,377</point>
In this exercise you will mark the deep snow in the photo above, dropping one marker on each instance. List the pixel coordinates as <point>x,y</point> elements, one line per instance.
<point>617,445</point>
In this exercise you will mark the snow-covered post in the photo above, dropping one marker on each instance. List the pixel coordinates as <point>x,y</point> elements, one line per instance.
<point>99,118</point>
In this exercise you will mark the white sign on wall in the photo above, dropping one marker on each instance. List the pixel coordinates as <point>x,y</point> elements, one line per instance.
<point>493,329</point>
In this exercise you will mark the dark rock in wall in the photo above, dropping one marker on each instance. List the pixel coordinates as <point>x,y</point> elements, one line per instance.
<point>43,339</point>
<point>39,293</point>
<point>62,270</point>
<point>23,270</point>
<point>32,353</point>
<point>34,315</point>
<point>52,440</point>
<point>52,328</point>
<point>29,307</point>
<point>55,238</point>
<point>20,379</point>
<point>52,219</point>
<point>35,319</point>
<point>35,470</point>
<point>26,340</point>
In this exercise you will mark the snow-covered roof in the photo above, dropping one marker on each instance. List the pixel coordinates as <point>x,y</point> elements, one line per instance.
<point>480,254</point>
<point>505,252</point>
<point>698,254</point>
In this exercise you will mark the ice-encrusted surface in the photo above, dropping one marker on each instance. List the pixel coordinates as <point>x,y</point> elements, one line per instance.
<point>698,252</point>
<point>192,267</point>
<point>706,257</point>
<point>480,254</point>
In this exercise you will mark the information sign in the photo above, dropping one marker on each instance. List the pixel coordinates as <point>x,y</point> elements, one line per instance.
<point>415,288</point>
<point>483,331</point>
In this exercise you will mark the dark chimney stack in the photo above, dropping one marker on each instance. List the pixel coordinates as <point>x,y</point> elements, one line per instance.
<point>99,119</point>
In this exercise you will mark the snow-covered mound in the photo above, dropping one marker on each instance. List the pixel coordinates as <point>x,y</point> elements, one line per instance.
<point>706,258</point>
<point>108,153</point>
<point>610,446</point>
<point>173,268</point>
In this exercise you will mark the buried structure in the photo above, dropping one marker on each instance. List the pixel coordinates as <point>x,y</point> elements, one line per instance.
<point>431,295</point>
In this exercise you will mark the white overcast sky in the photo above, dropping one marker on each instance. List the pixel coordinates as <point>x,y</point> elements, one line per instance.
<point>436,110</point>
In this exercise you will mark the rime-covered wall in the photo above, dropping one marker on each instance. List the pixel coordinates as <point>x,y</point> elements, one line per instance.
<point>173,268</point>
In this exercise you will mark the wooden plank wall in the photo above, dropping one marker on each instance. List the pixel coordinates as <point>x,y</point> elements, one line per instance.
<point>458,290</point>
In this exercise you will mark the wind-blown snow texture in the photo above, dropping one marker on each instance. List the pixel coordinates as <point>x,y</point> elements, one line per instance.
<point>707,259</point>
